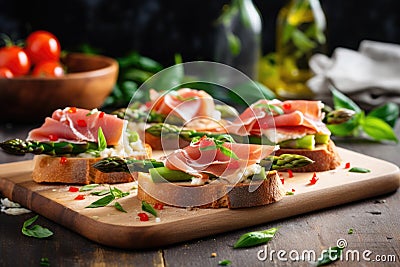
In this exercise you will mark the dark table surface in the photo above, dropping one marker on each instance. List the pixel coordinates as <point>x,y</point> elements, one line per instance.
<point>375,223</point>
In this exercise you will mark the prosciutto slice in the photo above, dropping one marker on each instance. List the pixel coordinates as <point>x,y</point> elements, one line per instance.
<point>78,125</point>
<point>184,103</point>
<point>298,116</point>
<point>203,157</point>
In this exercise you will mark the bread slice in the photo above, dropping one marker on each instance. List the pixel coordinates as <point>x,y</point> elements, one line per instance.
<point>325,157</point>
<point>213,195</point>
<point>73,170</point>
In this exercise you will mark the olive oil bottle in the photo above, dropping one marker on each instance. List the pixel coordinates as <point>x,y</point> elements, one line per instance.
<point>301,32</point>
<point>238,37</point>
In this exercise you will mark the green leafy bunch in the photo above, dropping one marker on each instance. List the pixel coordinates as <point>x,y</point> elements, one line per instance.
<point>378,124</point>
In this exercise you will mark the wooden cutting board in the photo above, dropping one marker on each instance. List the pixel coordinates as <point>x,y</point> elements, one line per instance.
<point>108,226</point>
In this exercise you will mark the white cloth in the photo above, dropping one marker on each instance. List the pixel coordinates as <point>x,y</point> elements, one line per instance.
<point>370,76</point>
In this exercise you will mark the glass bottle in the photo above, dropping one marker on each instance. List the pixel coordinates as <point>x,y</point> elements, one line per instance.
<point>238,39</point>
<point>301,27</point>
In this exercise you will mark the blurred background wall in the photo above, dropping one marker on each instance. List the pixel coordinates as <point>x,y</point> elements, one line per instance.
<point>160,28</point>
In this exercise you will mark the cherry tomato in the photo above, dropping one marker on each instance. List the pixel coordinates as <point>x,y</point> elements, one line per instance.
<point>15,59</point>
<point>48,69</point>
<point>42,46</point>
<point>6,73</point>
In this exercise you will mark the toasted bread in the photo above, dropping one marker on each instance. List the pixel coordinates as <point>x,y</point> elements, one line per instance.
<point>213,195</point>
<point>325,157</point>
<point>74,170</point>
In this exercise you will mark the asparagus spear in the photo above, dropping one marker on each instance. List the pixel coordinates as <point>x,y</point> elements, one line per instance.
<point>285,162</point>
<point>339,116</point>
<point>21,147</point>
<point>116,164</point>
<point>165,129</point>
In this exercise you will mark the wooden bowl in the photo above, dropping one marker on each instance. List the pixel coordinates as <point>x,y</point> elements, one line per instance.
<point>90,79</point>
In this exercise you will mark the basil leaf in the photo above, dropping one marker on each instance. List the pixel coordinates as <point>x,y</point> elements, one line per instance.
<point>343,129</point>
<point>119,207</point>
<point>255,238</point>
<point>378,129</point>
<point>88,187</point>
<point>148,208</point>
<point>29,222</point>
<point>44,262</point>
<point>118,193</point>
<point>224,262</point>
<point>388,113</point>
<point>101,140</point>
<point>100,193</point>
<point>102,202</point>
<point>35,231</point>
<point>359,170</point>
<point>342,101</point>
<point>329,256</point>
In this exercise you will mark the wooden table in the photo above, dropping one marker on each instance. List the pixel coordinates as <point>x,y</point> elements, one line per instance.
<point>375,223</point>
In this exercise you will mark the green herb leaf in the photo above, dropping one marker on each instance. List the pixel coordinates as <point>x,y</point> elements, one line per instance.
<point>88,187</point>
<point>350,231</point>
<point>388,113</point>
<point>100,193</point>
<point>148,208</point>
<point>118,206</point>
<point>102,202</point>
<point>29,222</point>
<point>359,170</point>
<point>101,140</point>
<point>224,262</point>
<point>44,262</point>
<point>35,231</point>
<point>378,129</point>
<point>117,193</point>
<point>348,128</point>
<point>255,238</point>
<point>342,101</point>
<point>330,255</point>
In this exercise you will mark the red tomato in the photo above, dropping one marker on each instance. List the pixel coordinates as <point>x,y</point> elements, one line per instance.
<point>6,73</point>
<point>48,69</point>
<point>42,46</point>
<point>15,59</point>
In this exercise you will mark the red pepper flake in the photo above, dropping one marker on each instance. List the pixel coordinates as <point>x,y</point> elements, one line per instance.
<point>293,190</point>
<point>286,106</point>
<point>283,181</point>
<point>81,123</point>
<point>143,217</point>
<point>80,197</point>
<point>63,160</point>
<point>158,206</point>
<point>73,189</point>
<point>53,137</point>
<point>101,115</point>
<point>290,173</point>
<point>314,179</point>
<point>347,166</point>
<point>72,110</point>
